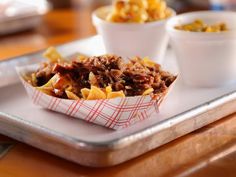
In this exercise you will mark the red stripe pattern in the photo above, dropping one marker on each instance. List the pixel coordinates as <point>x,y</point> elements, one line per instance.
<point>115,113</point>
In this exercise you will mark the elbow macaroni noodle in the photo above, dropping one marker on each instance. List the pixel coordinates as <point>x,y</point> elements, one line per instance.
<point>138,11</point>
<point>200,26</point>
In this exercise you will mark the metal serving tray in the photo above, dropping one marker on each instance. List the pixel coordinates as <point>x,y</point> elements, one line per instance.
<point>20,16</point>
<point>185,110</point>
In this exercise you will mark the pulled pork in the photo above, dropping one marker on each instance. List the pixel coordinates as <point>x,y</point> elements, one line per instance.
<point>133,78</point>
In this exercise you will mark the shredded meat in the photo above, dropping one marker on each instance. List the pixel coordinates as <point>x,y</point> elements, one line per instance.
<point>133,77</point>
<point>44,73</point>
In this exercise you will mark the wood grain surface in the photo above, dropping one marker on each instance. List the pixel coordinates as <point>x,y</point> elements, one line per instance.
<point>178,158</point>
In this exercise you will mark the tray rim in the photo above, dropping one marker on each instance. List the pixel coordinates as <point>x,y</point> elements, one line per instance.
<point>120,143</point>
<point>110,148</point>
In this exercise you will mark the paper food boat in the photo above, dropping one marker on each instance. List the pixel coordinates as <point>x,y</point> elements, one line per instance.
<point>114,113</point>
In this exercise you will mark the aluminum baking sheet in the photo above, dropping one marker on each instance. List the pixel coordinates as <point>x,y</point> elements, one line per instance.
<point>185,110</point>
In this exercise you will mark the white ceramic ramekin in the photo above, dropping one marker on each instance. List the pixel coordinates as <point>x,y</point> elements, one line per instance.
<point>132,39</point>
<point>205,59</point>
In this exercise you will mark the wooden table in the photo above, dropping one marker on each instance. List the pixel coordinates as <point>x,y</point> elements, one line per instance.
<point>209,151</point>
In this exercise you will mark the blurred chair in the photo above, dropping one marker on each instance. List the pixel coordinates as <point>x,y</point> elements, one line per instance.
<point>78,3</point>
<point>188,5</point>
<point>90,3</point>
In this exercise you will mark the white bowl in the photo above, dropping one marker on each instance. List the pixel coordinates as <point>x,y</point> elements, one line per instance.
<point>132,39</point>
<point>205,59</point>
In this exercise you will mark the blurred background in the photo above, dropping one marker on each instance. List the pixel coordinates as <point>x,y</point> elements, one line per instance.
<point>180,5</point>
<point>27,26</point>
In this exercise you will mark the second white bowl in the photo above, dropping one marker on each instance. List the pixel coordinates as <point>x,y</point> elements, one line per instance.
<point>205,59</point>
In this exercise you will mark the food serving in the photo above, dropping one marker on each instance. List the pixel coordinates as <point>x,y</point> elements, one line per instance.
<point>105,90</point>
<point>138,11</point>
<point>132,23</point>
<point>206,49</point>
<point>99,77</point>
<point>200,26</point>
